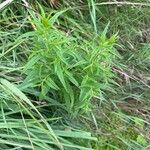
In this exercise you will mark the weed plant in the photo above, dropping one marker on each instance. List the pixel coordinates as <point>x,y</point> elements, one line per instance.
<point>70,71</point>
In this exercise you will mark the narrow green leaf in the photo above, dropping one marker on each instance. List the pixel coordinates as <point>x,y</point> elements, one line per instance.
<point>32,61</point>
<point>54,18</point>
<point>51,83</point>
<point>71,78</point>
<point>60,75</point>
<point>106,29</point>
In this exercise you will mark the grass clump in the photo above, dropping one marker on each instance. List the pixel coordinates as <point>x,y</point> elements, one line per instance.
<point>68,65</point>
<point>68,70</point>
<point>24,126</point>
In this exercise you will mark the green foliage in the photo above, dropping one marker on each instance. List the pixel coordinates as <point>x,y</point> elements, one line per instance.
<point>70,71</point>
<point>141,139</point>
<point>23,121</point>
<point>117,132</point>
<point>23,125</point>
<point>31,114</point>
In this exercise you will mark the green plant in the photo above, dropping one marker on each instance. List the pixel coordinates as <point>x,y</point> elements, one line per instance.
<point>70,71</point>
<point>23,121</point>
<point>23,128</point>
<point>23,125</point>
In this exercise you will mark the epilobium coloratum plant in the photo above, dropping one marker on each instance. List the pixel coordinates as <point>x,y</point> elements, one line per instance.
<point>66,69</point>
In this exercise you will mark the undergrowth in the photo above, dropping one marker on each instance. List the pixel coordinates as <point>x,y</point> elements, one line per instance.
<point>72,82</point>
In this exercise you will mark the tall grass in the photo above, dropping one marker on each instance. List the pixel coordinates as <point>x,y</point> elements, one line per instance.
<point>23,122</point>
<point>24,127</point>
<point>34,114</point>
